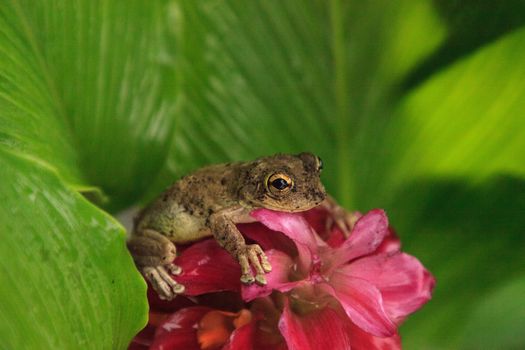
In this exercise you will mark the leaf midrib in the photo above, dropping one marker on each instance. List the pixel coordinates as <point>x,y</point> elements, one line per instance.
<point>343,121</point>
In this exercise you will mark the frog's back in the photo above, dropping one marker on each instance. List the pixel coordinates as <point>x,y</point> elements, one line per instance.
<point>181,212</point>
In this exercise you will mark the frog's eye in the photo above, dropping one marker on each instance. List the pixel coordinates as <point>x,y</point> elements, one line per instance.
<point>279,183</point>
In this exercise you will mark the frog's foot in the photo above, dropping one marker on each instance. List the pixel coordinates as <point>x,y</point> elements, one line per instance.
<point>253,255</point>
<point>151,248</point>
<point>339,216</point>
<point>166,287</point>
<point>342,219</point>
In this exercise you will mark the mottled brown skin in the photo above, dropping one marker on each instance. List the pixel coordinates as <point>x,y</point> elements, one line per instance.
<point>210,201</point>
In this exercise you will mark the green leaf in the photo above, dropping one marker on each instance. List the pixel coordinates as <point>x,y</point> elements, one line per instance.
<point>325,77</point>
<point>67,280</point>
<point>86,103</point>
<point>466,121</point>
<point>297,76</point>
<point>31,120</point>
<point>507,321</point>
<point>88,87</point>
<point>471,237</point>
<point>435,168</point>
<point>471,24</point>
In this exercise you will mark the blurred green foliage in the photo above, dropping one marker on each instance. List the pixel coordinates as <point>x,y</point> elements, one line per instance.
<point>414,106</point>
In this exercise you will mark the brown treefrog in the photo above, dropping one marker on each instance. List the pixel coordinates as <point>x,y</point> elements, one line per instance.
<point>210,202</point>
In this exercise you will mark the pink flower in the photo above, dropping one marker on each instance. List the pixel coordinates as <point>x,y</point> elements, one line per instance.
<point>367,276</point>
<point>324,291</point>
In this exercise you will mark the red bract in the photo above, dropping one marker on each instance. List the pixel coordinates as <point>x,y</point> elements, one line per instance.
<point>324,292</point>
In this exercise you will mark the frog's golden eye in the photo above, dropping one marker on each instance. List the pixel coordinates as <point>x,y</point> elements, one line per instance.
<point>279,183</point>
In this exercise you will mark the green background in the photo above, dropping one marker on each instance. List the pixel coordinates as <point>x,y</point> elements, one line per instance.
<point>416,106</point>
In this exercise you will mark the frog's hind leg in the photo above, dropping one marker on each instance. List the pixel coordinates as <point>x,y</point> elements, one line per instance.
<point>153,254</point>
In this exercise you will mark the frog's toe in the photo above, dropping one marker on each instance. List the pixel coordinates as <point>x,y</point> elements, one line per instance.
<point>179,289</point>
<point>261,263</point>
<point>253,256</point>
<point>157,282</point>
<point>174,269</point>
<point>247,279</point>
<point>261,280</point>
<point>266,265</point>
<point>161,281</point>
<point>176,287</point>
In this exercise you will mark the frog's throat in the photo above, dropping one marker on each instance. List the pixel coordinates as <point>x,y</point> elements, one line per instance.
<point>286,209</point>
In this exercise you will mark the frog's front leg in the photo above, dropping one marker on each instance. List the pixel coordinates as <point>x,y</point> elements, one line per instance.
<point>229,237</point>
<point>153,254</point>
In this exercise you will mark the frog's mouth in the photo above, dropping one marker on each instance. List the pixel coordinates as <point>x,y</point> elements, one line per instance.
<point>291,207</point>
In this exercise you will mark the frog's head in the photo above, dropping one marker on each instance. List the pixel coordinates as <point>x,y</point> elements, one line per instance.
<point>282,182</point>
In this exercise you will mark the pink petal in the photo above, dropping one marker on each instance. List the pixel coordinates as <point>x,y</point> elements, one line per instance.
<point>278,278</point>
<point>241,338</point>
<point>336,238</point>
<point>390,244</point>
<point>292,225</point>
<point>403,281</point>
<point>317,218</point>
<point>304,259</point>
<point>268,239</point>
<point>181,339</point>
<point>362,302</point>
<point>180,330</point>
<point>368,233</point>
<point>322,329</point>
<point>361,340</point>
<point>295,227</point>
<point>267,314</point>
<point>207,268</point>
<point>280,346</point>
<point>155,303</point>
<point>184,319</point>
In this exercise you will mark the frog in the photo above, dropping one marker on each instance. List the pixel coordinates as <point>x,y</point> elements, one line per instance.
<point>210,202</point>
